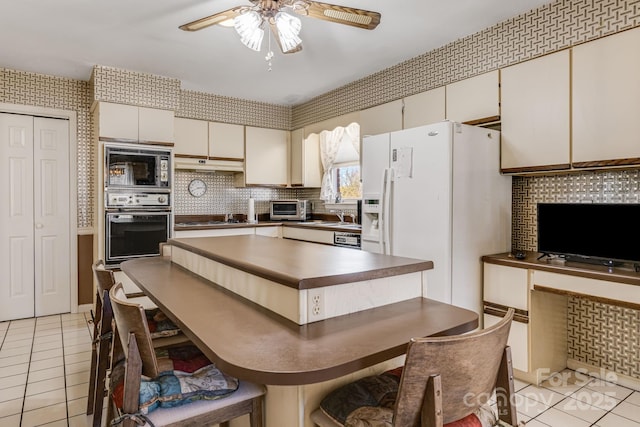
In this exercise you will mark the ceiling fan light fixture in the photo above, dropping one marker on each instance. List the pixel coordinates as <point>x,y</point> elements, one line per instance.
<point>248,26</point>
<point>288,29</point>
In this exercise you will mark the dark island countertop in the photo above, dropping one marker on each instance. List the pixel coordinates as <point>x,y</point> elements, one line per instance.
<point>296,264</point>
<point>255,344</point>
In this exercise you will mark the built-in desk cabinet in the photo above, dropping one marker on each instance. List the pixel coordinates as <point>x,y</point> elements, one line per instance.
<point>135,124</point>
<point>538,336</point>
<point>474,100</point>
<point>535,114</point>
<point>606,101</point>
<point>306,166</point>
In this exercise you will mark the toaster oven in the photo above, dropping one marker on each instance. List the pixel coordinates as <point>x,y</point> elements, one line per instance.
<point>289,210</point>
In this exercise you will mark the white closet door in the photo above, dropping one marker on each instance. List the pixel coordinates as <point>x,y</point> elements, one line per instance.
<point>51,216</point>
<point>16,217</point>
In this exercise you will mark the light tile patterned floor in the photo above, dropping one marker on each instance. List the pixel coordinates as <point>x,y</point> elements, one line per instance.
<point>44,371</point>
<point>44,374</point>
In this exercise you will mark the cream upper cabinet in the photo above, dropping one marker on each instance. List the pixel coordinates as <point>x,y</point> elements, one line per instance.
<point>266,156</point>
<point>476,99</point>
<point>226,141</point>
<point>381,119</point>
<point>535,114</point>
<point>424,108</point>
<point>128,122</point>
<point>306,166</point>
<point>191,138</point>
<point>606,101</point>
<point>155,125</point>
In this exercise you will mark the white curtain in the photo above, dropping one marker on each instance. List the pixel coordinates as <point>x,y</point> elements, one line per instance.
<point>329,145</point>
<point>353,133</point>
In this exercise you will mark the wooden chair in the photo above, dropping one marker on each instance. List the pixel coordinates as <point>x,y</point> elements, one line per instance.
<point>140,359</point>
<point>102,338</point>
<point>444,380</point>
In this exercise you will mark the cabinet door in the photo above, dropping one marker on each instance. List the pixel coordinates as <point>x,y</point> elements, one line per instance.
<point>474,100</point>
<point>381,119</point>
<point>518,341</point>
<point>506,286</point>
<point>155,125</point>
<point>226,141</point>
<point>535,97</point>
<point>266,156</point>
<point>306,166</point>
<point>191,138</point>
<point>424,108</point>
<point>606,101</point>
<point>118,121</point>
<point>297,141</point>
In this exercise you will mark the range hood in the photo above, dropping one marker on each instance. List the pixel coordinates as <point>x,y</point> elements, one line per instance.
<point>190,163</point>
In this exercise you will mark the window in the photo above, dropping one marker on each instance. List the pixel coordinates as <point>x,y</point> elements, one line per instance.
<point>347,181</point>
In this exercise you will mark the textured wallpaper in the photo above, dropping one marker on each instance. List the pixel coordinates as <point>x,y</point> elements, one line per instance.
<point>552,27</point>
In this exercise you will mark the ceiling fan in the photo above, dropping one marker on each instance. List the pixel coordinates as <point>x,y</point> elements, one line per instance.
<point>279,16</point>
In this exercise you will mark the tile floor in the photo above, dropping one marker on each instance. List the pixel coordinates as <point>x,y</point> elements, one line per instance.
<point>44,374</point>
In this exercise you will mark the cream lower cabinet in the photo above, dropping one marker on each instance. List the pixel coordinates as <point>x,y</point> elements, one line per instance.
<point>535,114</point>
<point>139,124</point>
<point>474,100</point>
<point>606,101</point>
<point>308,235</point>
<point>266,157</point>
<point>424,108</point>
<point>538,336</point>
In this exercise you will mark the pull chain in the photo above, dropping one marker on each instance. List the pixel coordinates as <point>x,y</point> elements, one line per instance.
<point>269,53</point>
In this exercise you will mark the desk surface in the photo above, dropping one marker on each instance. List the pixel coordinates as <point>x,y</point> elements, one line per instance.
<point>255,344</point>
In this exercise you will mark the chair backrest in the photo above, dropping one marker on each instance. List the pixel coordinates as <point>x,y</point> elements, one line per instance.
<point>468,368</point>
<point>105,279</point>
<point>130,318</point>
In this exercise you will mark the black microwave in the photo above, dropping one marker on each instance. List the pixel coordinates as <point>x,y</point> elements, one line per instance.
<point>128,166</point>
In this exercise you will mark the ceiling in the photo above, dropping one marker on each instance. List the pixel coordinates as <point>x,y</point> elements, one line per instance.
<point>68,37</point>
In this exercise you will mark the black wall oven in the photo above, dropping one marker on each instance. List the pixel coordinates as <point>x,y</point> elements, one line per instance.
<point>133,234</point>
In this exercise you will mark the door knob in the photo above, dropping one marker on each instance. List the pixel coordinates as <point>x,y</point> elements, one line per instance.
<point>39,225</point>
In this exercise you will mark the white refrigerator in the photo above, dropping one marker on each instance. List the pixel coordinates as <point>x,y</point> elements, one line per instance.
<point>435,192</point>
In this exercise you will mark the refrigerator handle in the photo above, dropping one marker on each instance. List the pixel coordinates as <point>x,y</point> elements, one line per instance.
<point>382,219</point>
<point>386,207</point>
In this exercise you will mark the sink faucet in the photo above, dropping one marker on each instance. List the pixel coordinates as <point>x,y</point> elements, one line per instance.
<point>339,214</point>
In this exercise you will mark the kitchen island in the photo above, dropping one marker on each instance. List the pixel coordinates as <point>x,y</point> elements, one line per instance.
<point>299,363</point>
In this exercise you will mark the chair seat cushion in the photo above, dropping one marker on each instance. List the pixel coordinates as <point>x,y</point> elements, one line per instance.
<point>159,324</point>
<point>370,401</point>
<point>191,377</point>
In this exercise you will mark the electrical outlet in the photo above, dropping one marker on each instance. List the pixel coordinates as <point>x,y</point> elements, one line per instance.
<point>315,304</point>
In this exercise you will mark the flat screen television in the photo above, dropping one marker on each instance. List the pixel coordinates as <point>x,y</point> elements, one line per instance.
<point>607,233</point>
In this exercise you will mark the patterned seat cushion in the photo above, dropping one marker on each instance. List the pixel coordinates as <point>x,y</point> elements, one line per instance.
<point>159,324</point>
<point>186,376</point>
<point>369,402</point>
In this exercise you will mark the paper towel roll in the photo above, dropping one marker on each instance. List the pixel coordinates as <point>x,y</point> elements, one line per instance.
<point>251,212</point>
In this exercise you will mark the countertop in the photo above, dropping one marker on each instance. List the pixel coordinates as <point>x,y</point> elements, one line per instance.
<point>311,224</point>
<point>255,344</point>
<point>296,264</point>
<point>623,274</point>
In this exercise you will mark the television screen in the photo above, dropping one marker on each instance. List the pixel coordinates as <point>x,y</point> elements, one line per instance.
<point>599,233</point>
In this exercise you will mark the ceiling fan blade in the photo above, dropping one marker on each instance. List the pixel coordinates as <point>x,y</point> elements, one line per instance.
<point>341,14</point>
<point>211,20</point>
<point>274,31</point>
